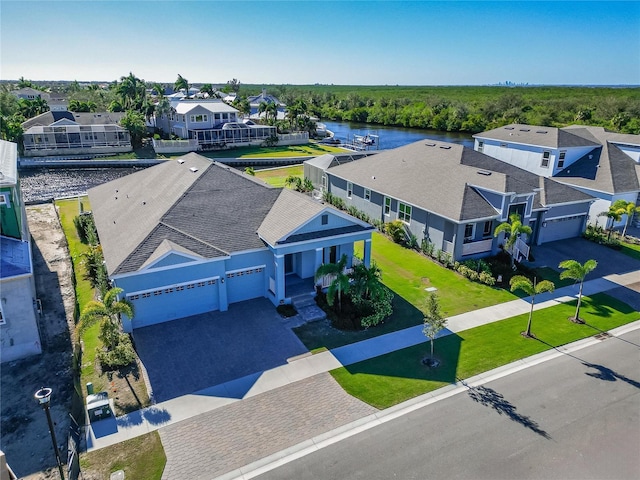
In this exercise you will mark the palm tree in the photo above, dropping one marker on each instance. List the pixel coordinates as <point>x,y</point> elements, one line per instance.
<point>625,208</point>
<point>131,91</point>
<point>513,229</point>
<point>340,283</point>
<point>158,89</point>
<point>208,89</point>
<point>577,271</point>
<point>520,282</point>
<point>107,310</point>
<point>614,214</point>
<point>365,282</point>
<point>182,84</point>
<point>263,108</point>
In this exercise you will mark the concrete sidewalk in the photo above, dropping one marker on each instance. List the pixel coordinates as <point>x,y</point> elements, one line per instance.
<point>112,431</point>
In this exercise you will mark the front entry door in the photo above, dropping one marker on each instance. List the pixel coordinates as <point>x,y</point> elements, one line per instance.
<point>288,263</point>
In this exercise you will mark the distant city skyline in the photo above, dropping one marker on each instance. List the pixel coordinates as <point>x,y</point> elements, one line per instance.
<point>327,42</point>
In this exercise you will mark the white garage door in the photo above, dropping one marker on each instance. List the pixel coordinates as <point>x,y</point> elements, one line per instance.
<point>245,284</point>
<point>174,301</point>
<point>561,228</point>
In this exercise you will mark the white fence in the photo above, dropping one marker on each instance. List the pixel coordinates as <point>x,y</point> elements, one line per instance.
<point>175,146</point>
<point>477,247</point>
<point>299,138</point>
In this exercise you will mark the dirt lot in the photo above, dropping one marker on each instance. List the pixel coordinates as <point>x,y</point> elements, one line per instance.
<point>24,432</point>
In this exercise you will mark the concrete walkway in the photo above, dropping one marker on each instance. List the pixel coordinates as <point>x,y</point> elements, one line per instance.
<point>112,431</point>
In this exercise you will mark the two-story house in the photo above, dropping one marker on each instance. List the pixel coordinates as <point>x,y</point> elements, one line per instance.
<point>452,196</point>
<point>19,335</point>
<point>603,164</point>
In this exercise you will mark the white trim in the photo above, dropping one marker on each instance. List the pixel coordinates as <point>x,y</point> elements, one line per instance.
<point>365,194</point>
<point>191,259</point>
<point>168,267</point>
<point>172,285</point>
<point>314,240</point>
<point>245,269</point>
<point>384,206</point>
<point>349,190</point>
<point>575,215</point>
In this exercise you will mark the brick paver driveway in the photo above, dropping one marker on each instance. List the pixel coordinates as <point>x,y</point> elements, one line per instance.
<point>230,437</point>
<point>190,354</point>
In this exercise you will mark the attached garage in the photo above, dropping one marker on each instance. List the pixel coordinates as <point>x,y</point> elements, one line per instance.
<point>561,228</point>
<point>246,284</point>
<point>174,301</point>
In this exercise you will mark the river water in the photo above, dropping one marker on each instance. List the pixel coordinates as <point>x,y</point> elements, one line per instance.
<point>43,184</point>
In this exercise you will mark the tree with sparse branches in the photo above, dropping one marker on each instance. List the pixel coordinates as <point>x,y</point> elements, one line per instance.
<point>577,271</point>
<point>434,322</point>
<point>513,229</point>
<point>520,282</point>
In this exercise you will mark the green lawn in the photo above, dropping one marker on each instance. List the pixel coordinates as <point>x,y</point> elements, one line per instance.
<point>393,378</point>
<point>308,150</point>
<point>407,273</point>
<point>630,249</point>
<point>276,176</point>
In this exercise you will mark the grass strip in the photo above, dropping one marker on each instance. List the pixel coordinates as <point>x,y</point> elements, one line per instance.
<point>398,376</point>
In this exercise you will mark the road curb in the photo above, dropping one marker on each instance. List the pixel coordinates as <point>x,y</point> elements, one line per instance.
<point>318,442</point>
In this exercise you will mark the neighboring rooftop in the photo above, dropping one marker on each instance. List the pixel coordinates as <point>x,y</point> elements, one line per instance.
<point>80,118</point>
<point>8,163</point>
<point>446,178</point>
<point>14,257</point>
<point>550,137</point>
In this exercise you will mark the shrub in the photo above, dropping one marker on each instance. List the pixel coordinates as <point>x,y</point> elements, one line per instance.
<point>286,310</point>
<point>413,242</point>
<point>487,279</point>
<point>395,230</point>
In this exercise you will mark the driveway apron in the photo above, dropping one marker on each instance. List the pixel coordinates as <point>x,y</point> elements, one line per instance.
<point>610,261</point>
<point>193,353</point>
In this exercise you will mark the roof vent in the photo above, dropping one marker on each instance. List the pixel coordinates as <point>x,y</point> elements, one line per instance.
<point>541,131</point>
<point>445,147</point>
<point>180,161</point>
<point>430,144</point>
<point>525,129</point>
<point>508,128</point>
<point>484,172</point>
<point>193,169</point>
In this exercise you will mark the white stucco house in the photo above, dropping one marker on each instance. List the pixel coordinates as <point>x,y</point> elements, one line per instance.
<point>593,160</point>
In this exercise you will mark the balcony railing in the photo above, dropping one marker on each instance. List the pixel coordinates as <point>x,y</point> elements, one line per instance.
<point>482,246</point>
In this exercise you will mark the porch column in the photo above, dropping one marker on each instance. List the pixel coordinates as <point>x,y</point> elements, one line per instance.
<point>319,259</point>
<point>278,261</point>
<point>367,253</point>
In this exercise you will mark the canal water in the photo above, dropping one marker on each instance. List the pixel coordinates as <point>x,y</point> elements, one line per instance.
<point>43,184</point>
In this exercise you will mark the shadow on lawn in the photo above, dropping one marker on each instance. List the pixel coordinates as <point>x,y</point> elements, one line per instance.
<point>407,363</point>
<point>490,398</point>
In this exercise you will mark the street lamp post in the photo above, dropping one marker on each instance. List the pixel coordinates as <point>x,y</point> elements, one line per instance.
<point>43,397</point>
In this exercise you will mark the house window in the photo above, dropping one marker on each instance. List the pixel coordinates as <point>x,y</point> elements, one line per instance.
<point>198,118</point>
<point>561,159</point>
<point>387,206</point>
<point>480,146</point>
<point>349,189</point>
<point>367,194</point>
<point>2,320</point>
<point>324,183</point>
<point>546,155</point>
<point>4,200</point>
<point>469,231</point>
<point>325,219</point>
<point>486,229</point>
<point>518,208</point>
<point>404,212</point>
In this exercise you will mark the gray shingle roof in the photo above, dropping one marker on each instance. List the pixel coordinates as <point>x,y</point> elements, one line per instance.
<point>607,168</point>
<point>81,118</point>
<point>550,137</point>
<point>443,178</point>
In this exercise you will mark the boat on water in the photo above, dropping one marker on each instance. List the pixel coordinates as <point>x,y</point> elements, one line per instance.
<point>368,140</point>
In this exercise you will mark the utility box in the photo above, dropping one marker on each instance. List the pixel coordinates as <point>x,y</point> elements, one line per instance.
<point>98,406</point>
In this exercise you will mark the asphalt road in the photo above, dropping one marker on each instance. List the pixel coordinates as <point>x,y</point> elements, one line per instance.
<point>575,417</point>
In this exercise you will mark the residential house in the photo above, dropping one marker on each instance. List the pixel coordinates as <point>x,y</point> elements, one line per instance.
<point>28,93</point>
<point>75,133</point>
<point>213,123</point>
<point>256,100</point>
<point>603,164</point>
<point>191,235</point>
<point>19,335</point>
<point>453,196</point>
<point>58,103</point>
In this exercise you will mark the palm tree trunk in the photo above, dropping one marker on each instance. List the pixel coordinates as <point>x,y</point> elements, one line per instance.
<point>577,319</point>
<point>431,347</point>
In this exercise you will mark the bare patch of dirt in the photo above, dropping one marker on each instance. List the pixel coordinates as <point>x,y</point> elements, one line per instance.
<point>24,431</point>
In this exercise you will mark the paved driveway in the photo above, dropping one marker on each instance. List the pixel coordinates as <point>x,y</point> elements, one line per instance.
<point>609,261</point>
<point>193,353</point>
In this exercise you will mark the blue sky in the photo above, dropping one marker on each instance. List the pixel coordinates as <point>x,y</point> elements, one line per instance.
<point>332,42</point>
